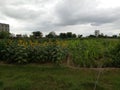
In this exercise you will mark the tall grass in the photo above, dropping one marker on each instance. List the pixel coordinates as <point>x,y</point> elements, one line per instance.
<point>92,52</point>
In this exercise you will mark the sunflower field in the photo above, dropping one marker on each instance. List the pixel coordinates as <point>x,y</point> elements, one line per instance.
<point>79,52</point>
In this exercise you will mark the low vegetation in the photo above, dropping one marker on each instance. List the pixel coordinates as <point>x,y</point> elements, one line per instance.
<point>38,63</point>
<point>79,52</point>
<point>48,77</point>
<point>23,52</point>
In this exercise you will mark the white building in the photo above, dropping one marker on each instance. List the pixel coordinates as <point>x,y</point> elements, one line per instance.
<point>97,33</point>
<point>4,27</point>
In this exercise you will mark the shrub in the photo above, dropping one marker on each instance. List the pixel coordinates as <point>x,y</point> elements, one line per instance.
<point>23,52</point>
<point>91,52</point>
<point>115,55</point>
<point>15,54</point>
<point>2,47</point>
<point>43,54</point>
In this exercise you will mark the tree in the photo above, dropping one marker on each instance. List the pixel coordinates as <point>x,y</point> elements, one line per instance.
<point>80,36</point>
<point>51,35</point>
<point>69,34</point>
<point>74,35</point>
<point>63,35</point>
<point>114,36</point>
<point>92,36</point>
<point>12,35</point>
<point>18,35</point>
<point>25,36</point>
<point>37,34</point>
<point>101,35</point>
<point>4,34</point>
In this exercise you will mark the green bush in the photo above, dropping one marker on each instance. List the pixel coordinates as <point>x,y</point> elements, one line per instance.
<point>91,52</point>
<point>4,35</point>
<point>2,47</point>
<point>115,55</point>
<point>15,53</point>
<point>43,54</point>
<point>83,53</point>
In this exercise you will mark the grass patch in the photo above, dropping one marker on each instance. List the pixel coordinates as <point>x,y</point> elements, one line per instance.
<point>45,77</point>
<point>1,85</point>
<point>90,85</point>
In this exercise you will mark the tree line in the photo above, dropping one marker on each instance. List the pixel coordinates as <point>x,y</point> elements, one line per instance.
<point>39,34</point>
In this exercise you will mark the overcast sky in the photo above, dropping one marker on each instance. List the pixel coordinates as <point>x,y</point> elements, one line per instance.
<point>77,16</point>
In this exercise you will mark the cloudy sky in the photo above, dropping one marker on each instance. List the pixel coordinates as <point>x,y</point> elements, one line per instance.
<point>77,16</point>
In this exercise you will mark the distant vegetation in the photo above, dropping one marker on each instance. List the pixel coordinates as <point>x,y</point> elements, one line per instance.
<point>67,35</point>
<point>66,48</point>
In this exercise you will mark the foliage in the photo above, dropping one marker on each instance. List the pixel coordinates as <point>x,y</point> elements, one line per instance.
<point>23,52</point>
<point>80,36</point>
<point>43,54</point>
<point>4,34</point>
<point>115,55</point>
<point>37,34</point>
<point>80,52</point>
<point>3,45</point>
<point>51,35</point>
<point>91,52</point>
<point>67,35</point>
<point>15,54</point>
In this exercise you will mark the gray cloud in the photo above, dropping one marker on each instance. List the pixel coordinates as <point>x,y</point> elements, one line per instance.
<point>20,13</point>
<point>51,15</point>
<point>34,14</point>
<point>85,11</point>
